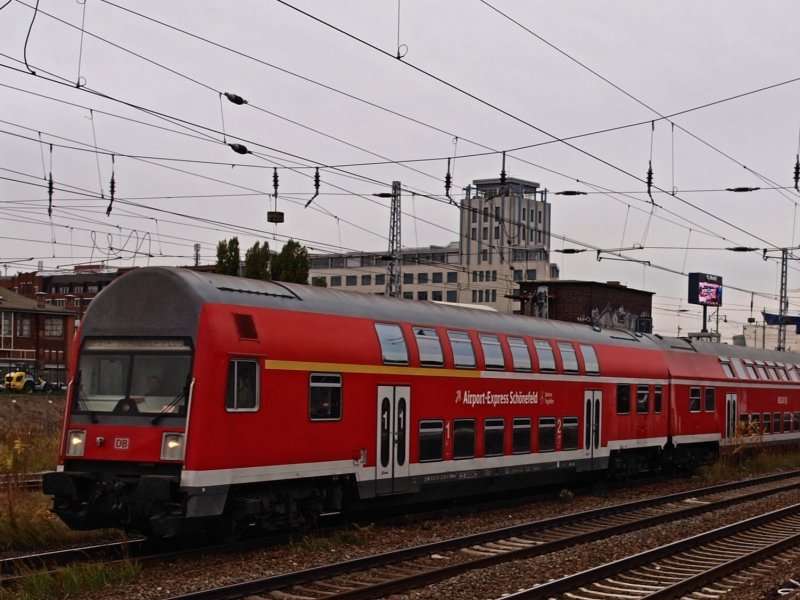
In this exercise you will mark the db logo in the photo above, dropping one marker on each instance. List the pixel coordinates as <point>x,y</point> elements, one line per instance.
<point>121,443</point>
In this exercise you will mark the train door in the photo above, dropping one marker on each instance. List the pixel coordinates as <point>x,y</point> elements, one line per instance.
<point>593,404</point>
<point>731,418</point>
<point>391,464</point>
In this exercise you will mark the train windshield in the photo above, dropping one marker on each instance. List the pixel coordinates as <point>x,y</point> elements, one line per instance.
<point>126,377</point>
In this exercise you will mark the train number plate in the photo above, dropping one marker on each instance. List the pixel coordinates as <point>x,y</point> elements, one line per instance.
<point>122,443</point>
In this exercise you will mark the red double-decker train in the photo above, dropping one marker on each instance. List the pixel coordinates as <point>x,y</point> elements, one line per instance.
<point>200,400</point>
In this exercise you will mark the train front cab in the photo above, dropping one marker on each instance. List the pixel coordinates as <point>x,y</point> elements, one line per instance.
<point>124,436</point>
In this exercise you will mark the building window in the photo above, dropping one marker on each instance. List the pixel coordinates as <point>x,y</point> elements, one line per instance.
<point>380,279</point>
<point>530,274</point>
<point>452,296</point>
<point>437,277</point>
<point>23,327</point>
<point>319,281</point>
<point>5,324</point>
<point>408,278</point>
<point>351,280</point>
<point>408,295</point>
<point>452,277</point>
<point>422,278</point>
<point>366,280</point>
<point>325,397</point>
<point>517,274</point>
<point>54,327</point>
<point>336,280</point>
<point>436,296</point>
<point>422,295</point>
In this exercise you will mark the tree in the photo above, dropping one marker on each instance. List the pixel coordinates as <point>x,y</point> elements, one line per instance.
<point>257,261</point>
<point>228,257</point>
<point>291,264</point>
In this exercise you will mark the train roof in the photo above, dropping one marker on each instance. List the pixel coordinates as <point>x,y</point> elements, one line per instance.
<point>167,301</point>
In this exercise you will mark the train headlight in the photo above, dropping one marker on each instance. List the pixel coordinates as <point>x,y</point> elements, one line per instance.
<point>76,442</point>
<point>172,446</point>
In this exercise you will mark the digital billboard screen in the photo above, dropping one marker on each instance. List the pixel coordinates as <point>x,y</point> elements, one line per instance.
<point>705,289</point>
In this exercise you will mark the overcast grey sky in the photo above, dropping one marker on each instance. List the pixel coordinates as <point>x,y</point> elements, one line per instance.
<point>325,89</point>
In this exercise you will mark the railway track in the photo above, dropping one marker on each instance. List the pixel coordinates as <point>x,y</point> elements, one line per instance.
<point>412,568</point>
<point>704,566</point>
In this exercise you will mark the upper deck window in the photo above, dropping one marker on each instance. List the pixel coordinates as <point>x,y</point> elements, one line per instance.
<point>726,368</point>
<point>430,349</point>
<point>738,367</point>
<point>544,352</point>
<point>751,372</point>
<point>393,344</point>
<point>568,357</point>
<point>463,353</point>
<point>492,351</point>
<point>519,354</point>
<point>590,359</point>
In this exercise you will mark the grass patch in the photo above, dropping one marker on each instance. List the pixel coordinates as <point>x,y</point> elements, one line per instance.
<point>756,460</point>
<point>354,535</point>
<point>73,581</point>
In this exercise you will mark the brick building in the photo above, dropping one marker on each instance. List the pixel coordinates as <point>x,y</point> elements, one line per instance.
<point>606,305</point>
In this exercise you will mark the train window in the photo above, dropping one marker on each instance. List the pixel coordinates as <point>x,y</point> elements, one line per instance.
<point>568,357</point>
<point>492,351</point>
<point>623,399</point>
<point>711,400</point>
<point>738,367</point>
<point>755,423</point>
<point>762,372</point>
<point>772,374</point>
<point>463,438</point>
<point>521,435</point>
<point>590,359</point>
<point>431,441</point>
<point>242,386</point>
<point>766,420</point>
<point>519,354</point>
<point>694,399</point>
<point>787,422</point>
<point>796,421</point>
<point>430,349</point>
<point>642,399</point>
<point>463,353</point>
<point>657,398</point>
<point>570,433</point>
<point>493,437</point>
<point>748,365</point>
<point>325,397</point>
<point>547,434</point>
<point>776,420</point>
<point>726,368</point>
<point>544,353</point>
<point>744,424</point>
<point>782,374</point>
<point>793,372</point>
<point>393,344</point>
